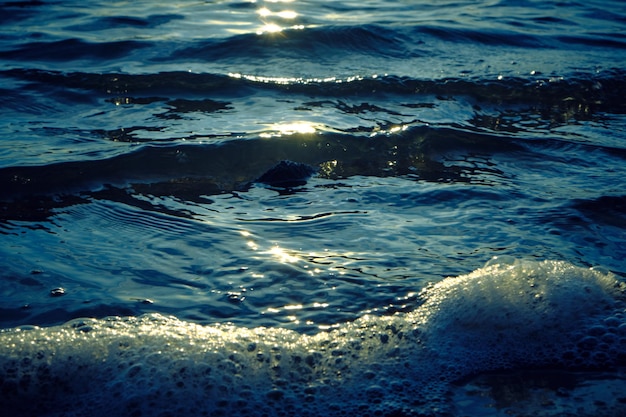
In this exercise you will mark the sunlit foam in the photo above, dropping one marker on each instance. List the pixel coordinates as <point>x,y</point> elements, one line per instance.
<point>508,315</point>
<point>328,168</point>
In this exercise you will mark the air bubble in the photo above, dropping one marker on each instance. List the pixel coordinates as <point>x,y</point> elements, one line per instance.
<point>369,374</point>
<point>597,330</point>
<point>612,321</point>
<point>588,343</point>
<point>375,391</point>
<point>275,395</point>
<point>609,338</point>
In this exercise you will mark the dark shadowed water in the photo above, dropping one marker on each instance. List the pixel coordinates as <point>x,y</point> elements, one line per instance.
<point>140,172</point>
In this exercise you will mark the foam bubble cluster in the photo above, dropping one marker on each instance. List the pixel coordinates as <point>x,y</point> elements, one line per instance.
<point>521,313</point>
<point>506,315</point>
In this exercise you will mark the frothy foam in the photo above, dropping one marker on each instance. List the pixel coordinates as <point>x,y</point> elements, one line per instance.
<point>512,314</point>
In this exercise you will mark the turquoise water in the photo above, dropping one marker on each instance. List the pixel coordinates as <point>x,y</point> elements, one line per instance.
<point>134,142</point>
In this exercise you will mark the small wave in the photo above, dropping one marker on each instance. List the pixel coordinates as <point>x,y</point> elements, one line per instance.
<point>181,169</point>
<point>609,210</point>
<point>483,37</point>
<point>600,91</point>
<point>325,42</point>
<point>595,41</point>
<point>509,315</point>
<point>71,49</point>
<point>116,22</point>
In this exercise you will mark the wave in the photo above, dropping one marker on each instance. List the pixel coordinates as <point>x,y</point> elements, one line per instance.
<point>483,37</point>
<point>509,315</point>
<point>191,166</point>
<point>600,92</point>
<point>235,164</point>
<point>71,49</point>
<point>194,170</point>
<point>327,42</point>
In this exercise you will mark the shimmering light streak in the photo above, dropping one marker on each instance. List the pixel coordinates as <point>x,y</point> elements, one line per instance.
<point>286,129</point>
<point>282,256</point>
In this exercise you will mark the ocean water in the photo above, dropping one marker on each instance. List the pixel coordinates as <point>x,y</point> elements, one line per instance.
<point>314,208</point>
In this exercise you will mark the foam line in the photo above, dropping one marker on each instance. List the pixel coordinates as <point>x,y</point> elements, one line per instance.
<point>507,315</point>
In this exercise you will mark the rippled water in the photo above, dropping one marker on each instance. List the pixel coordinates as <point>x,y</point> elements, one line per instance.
<point>135,136</point>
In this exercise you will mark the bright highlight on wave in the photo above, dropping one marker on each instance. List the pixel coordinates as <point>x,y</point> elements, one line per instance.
<point>283,256</point>
<point>287,129</point>
<point>298,80</point>
<point>272,27</point>
<point>285,14</point>
<point>269,28</point>
<point>390,131</point>
<point>269,80</point>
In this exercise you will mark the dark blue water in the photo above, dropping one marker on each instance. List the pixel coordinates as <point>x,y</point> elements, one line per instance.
<point>142,177</point>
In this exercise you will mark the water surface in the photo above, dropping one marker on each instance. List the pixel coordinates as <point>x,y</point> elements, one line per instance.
<point>134,136</point>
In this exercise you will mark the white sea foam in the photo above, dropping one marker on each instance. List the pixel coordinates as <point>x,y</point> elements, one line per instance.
<point>513,314</point>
